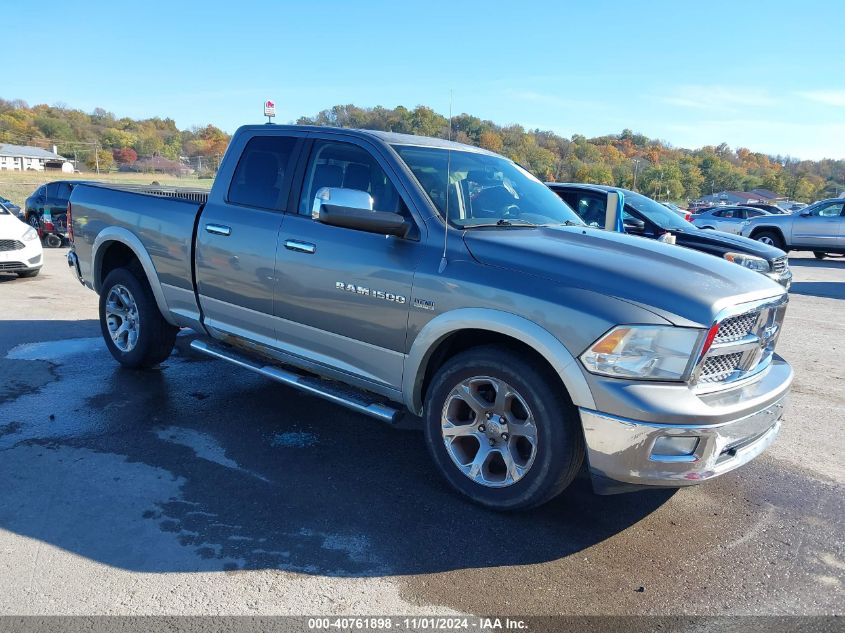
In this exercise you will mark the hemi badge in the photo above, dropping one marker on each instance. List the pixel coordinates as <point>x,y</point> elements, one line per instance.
<point>423,304</point>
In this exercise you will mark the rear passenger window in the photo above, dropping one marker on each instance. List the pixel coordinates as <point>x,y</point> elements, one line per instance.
<point>262,177</point>
<point>350,167</point>
<point>592,209</point>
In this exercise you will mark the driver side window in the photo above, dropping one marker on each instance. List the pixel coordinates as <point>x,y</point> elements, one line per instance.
<point>832,210</point>
<point>351,167</point>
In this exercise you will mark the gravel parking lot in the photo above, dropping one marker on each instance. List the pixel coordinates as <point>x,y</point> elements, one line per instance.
<point>203,489</point>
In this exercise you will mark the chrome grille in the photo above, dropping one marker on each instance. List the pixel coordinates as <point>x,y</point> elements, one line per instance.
<point>10,245</point>
<point>744,344</point>
<point>717,368</point>
<point>736,328</point>
<point>779,265</point>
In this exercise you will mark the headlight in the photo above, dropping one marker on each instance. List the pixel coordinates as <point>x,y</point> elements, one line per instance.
<point>30,235</point>
<point>650,352</point>
<point>749,261</point>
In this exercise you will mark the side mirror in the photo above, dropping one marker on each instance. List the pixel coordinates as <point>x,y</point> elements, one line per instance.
<point>340,197</point>
<point>804,214</point>
<point>353,209</point>
<point>634,226</point>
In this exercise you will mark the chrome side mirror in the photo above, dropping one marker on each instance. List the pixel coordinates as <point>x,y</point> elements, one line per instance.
<point>340,197</point>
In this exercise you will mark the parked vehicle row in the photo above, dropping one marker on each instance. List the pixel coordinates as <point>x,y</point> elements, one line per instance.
<point>647,218</point>
<point>392,273</point>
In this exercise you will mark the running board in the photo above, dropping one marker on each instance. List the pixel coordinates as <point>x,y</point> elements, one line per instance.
<point>338,393</point>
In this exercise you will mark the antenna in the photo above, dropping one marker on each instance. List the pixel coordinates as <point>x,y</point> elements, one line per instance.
<point>443,261</point>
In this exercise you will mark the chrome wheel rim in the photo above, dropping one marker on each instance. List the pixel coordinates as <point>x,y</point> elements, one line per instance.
<point>767,240</point>
<point>489,431</point>
<point>122,318</point>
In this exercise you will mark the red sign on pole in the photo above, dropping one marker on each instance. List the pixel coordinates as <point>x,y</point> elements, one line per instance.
<point>269,108</point>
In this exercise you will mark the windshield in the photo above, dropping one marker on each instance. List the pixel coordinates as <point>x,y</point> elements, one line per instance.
<point>657,213</point>
<point>483,189</point>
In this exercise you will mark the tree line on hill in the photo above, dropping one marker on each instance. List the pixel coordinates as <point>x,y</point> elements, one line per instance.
<point>661,171</point>
<point>628,159</point>
<point>101,139</point>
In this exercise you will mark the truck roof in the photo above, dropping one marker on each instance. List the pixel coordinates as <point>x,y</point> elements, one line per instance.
<point>388,138</point>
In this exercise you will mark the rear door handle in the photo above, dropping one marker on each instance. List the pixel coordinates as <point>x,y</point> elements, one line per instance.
<point>300,247</point>
<point>218,229</point>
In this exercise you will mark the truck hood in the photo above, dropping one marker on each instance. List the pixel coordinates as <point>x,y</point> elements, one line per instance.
<point>684,286</point>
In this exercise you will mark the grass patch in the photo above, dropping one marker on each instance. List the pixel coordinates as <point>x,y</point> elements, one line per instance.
<point>18,185</point>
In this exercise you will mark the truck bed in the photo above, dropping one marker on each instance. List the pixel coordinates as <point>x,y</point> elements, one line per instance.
<point>163,219</point>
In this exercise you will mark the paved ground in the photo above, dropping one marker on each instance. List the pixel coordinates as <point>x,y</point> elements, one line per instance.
<point>200,488</point>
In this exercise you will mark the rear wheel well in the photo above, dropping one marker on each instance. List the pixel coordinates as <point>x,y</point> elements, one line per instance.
<point>462,340</point>
<point>117,255</point>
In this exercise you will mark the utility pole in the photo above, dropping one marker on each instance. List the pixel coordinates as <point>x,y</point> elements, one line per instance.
<point>636,164</point>
<point>97,157</point>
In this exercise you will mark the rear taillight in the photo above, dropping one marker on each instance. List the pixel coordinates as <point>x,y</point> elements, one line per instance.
<point>69,222</point>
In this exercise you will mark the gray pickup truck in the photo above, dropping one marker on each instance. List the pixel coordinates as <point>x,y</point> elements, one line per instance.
<point>521,339</point>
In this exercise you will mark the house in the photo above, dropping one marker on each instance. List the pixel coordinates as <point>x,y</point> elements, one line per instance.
<point>733,197</point>
<point>767,195</point>
<point>27,158</point>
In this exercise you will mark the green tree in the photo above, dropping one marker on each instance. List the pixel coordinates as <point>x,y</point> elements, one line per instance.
<point>102,159</point>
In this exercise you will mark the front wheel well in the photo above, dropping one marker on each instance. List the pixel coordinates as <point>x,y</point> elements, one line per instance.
<point>463,340</point>
<point>765,229</point>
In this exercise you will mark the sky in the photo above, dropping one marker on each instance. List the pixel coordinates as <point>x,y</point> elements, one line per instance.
<point>769,76</point>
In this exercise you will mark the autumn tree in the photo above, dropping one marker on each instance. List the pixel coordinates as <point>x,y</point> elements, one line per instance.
<point>125,156</point>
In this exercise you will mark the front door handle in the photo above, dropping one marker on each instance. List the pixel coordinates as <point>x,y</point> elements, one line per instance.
<point>300,247</point>
<point>218,229</point>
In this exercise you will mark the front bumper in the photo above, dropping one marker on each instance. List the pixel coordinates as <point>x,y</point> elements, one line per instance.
<point>784,278</point>
<point>18,261</point>
<point>721,432</point>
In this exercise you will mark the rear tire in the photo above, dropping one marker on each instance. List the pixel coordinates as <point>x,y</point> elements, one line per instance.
<point>510,452</point>
<point>771,238</point>
<point>819,255</point>
<point>134,330</point>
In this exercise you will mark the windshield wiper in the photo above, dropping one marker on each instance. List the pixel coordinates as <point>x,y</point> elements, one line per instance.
<point>502,222</point>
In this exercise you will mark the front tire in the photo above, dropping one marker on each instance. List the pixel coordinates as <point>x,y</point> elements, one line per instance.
<point>134,330</point>
<point>771,238</point>
<point>502,431</point>
<point>29,273</point>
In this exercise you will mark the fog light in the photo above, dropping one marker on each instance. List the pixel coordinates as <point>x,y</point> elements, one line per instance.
<point>674,446</point>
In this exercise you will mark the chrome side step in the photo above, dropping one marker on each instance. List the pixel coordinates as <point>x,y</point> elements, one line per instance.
<point>333,392</point>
